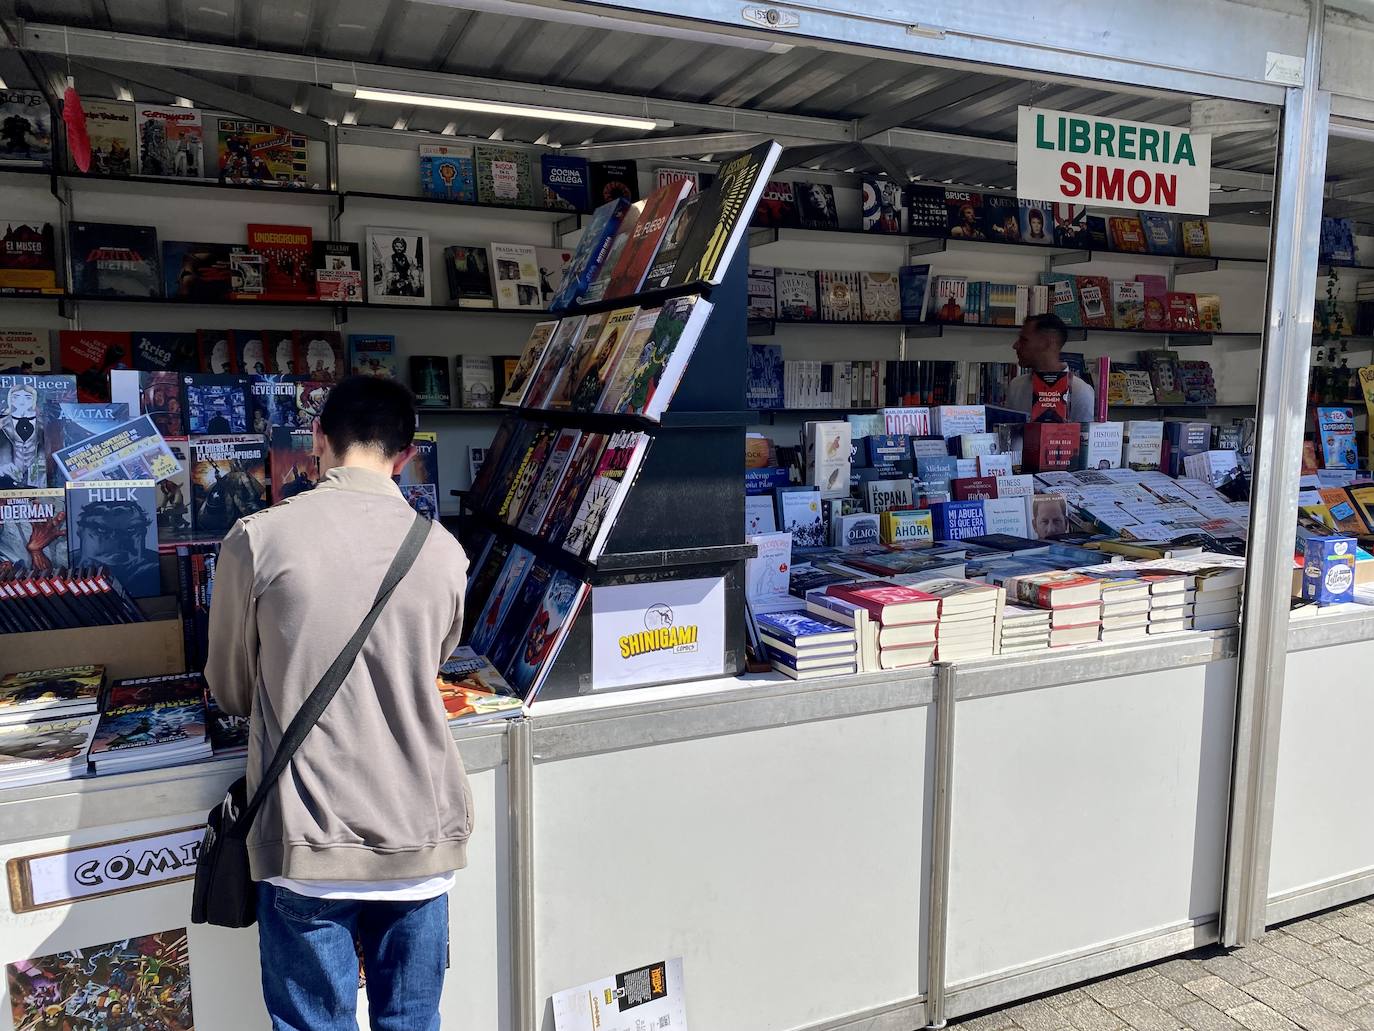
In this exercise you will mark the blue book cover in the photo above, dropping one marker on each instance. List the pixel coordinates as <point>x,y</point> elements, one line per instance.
<point>887,449</point>
<point>1336,427</point>
<point>763,481</point>
<point>955,520</point>
<point>447,173</point>
<point>913,283</point>
<point>503,594</point>
<point>215,404</point>
<point>937,471</point>
<point>1036,222</point>
<point>1338,241</point>
<point>592,248</point>
<point>113,523</point>
<point>80,420</point>
<point>764,386</point>
<point>372,354</point>
<point>1063,297</point>
<point>539,644</point>
<point>567,184</point>
<point>1161,232</point>
<point>798,628</point>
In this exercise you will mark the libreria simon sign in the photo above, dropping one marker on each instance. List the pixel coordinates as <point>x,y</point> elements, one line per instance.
<point>1110,163</point>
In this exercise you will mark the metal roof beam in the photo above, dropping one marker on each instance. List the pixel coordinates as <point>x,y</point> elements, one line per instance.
<point>209,94</point>
<point>887,163</point>
<point>671,146</point>
<point>168,53</point>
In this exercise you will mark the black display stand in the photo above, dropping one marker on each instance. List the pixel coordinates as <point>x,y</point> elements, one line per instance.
<point>683,517</point>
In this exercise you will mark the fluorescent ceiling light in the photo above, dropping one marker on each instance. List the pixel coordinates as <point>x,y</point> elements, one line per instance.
<point>488,107</point>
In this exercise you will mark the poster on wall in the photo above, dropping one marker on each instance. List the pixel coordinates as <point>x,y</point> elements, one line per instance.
<point>657,633</point>
<point>1112,163</point>
<point>398,269</point>
<point>142,982</point>
<point>647,997</point>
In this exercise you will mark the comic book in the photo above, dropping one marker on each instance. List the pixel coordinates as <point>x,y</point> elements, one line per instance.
<point>261,154</point>
<point>171,141</point>
<point>228,481</point>
<point>33,532</point>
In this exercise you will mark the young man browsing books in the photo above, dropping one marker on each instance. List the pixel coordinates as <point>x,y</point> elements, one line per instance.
<point>1038,351</point>
<point>361,835</point>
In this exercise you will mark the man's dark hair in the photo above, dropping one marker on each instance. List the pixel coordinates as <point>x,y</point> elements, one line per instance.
<point>1052,323</point>
<point>369,411</point>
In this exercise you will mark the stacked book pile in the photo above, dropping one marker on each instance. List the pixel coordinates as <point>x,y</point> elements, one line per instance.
<point>1024,629</point>
<point>804,647</point>
<point>1125,606</point>
<point>1168,602</point>
<point>1212,598</point>
<point>895,624</point>
<point>969,616</point>
<point>150,722</point>
<point>47,720</point>
<point>1074,601</point>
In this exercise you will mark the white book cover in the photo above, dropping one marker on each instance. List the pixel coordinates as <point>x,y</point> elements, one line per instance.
<point>1103,446</point>
<point>994,465</point>
<point>972,445</point>
<point>799,513</point>
<point>828,447</point>
<point>885,495</point>
<point>758,514</point>
<point>767,574</point>
<point>1007,515</point>
<point>515,270</point>
<point>914,422</point>
<point>857,530</point>
<point>1144,443</point>
<point>954,420</point>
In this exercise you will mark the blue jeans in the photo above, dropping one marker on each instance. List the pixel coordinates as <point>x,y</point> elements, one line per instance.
<point>310,965</point>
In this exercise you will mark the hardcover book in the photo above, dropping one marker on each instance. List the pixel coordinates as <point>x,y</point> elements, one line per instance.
<point>572,488</point>
<point>925,210</point>
<point>611,180</point>
<point>612,481</point>
<point>566,181</point>
<point>171,141</point>
<point>626,360</point>
<point>645,239</point>
<point>1127,234</point>
<point>763,299</point>
<point>447,172</point>
<point>541,641</point>
<point>477,379</point>
<point>518,383</point>
<point>25,352</point>
<point>397,266</point>
<point>253,153</point>
<point>549,382</point>
<point>372,354</point>
<point>546,485</point>
<point>1128,304</point>
<point>1182,313</point>
<point>113,523</point>
<point>1036,222</point>
<point>880,297</point>
<point>964,215</point>
<point>1196,238</point>
<point>763,387</point>
<point>32,532</point>
<point>797,299</point>
<point>90,356</point>
<point>839,296</point>
<point>195,271</point>
<point>318,354</point>
<point>592,248</point>
<point>1070,225</point>
<point>429,379</point>
<point>1161,232</point>
<point>1144,444</point>
<point>114,260</point>
<point>882,205</point>
<point>721,219</point>
<point>777,207</point>
<point>1063,297</point>
<point>591,364</point>
<point>28,259</point>
<point>816,205</point>
<point>517,277</point>
<point>27,122</point>
<point>1001,223</point>
<point>468,270</point>
<point>504,176</point>
<point>1048,446</point>
<point>913,288</point>
<point>110,129</point>
<point>910,526</point>
<point>295,469</point>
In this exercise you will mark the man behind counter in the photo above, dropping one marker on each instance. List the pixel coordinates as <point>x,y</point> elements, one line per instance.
<point>1038,350</point>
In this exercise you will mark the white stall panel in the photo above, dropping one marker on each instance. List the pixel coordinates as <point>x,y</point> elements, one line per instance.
<point>1086,814</point>
<point>1322,826</point>
<point>225,980</point>
<point>786,866</point>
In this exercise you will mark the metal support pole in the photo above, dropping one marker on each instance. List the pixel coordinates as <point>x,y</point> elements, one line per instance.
<point>942,806</point>
<point>1293,251</point>
<point>520,793</point>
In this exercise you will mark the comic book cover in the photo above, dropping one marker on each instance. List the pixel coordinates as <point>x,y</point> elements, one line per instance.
<point>372,354</point>
<point>592,364</point>
<point>79,419</point>
<point>25,129</point>
<point>33,531</point>
<point>133,450</point>
<point>447,173</point>
<point>295,469</point>
<point>171,141</point>
<point>90,355</point>
<point>311,395</point>
<point>164,352</point>
<point>28,259</point>
<point>110,128</point>
<point>261,154</point>
<point>228,734</point>
<point>215,352</point>
<point>271,403</point>
<point>777,208</point>
<point>419,478</point>
<point>113,523</point>
<point>39,751</point>
<point>193,271</point>
<point>609,484</point>
<point>25,352</point>
<point>320,355</point>
<point>498,603</point>
<point>215,404</point>
<point>30,428</point>
<point>538,646</point>
<point>172,728</point>
<point>174,500</point>
<point>228,481</point>
<point>572,488</point>
<point>287,258</point>
<point>281,351</point>
<point>65,691</point>
<point>114,260</point>
<point>154,394</point>
<point>250,351</point>
<point>471,687</point>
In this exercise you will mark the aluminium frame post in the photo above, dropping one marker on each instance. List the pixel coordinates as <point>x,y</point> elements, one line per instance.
<point>937,906</point>
<point>520,803</point>
<point>1276,469</point>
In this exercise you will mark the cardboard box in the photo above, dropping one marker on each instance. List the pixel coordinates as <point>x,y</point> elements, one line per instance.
<point>126,650</point>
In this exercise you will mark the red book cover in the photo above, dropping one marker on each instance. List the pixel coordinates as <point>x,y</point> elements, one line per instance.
<point>889,603</point>
<point>215,351</point>
<point>1127,234</point>
<point>1095,300</point>
<point>250,351</point>
<point>628,275</point>
<point>89,355</point>
<point>1050,396</point>
<point>973,488</point>
<point>287,259</point>
<point>1156,301</point>
<point>1182,313</point>
<point>1049,446</point>
<point>1056,589</point>
<point>319,355</point>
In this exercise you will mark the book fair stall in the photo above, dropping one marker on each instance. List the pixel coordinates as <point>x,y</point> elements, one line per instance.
<point>917,484</point>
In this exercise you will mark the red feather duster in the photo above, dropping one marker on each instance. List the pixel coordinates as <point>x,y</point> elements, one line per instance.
<point>78,140</point>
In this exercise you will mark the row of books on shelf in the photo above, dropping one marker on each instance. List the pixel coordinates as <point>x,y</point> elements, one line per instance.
<point>912,295</point>
<point>60,723</point>
<point>55,598</point>
<point>871,608</point>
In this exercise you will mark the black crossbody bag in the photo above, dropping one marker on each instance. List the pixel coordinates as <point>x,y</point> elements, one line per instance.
<point>224,894</point>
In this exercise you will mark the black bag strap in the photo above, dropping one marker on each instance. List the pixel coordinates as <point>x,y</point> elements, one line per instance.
<point>313,707</point>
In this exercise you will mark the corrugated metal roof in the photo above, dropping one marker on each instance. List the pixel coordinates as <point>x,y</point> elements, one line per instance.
<point>440,37</point>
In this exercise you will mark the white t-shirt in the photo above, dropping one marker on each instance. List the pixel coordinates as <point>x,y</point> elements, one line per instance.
<point>409,889</point>
<point>1081,397</point>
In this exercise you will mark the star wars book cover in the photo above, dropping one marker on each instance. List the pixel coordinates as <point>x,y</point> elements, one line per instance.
<point>295,469</point>
<point>228,481</point>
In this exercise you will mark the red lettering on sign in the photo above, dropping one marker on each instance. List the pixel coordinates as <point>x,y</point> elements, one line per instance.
<point>1069,183</point>
<point>1138,186</point>
<point>1109,184</point>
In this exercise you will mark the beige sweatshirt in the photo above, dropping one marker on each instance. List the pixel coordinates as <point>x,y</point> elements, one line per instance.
<point>377,791</point>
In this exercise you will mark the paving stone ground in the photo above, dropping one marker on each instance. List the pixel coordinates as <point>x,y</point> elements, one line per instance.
<point>1316,974</point>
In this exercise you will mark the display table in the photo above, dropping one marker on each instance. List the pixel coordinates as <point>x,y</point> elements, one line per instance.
<point>1063,818</point>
